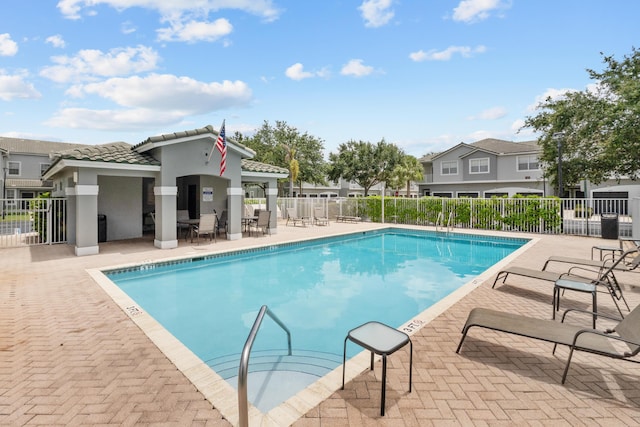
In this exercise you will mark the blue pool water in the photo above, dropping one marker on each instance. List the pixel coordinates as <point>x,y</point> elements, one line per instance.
<point>320,289</point>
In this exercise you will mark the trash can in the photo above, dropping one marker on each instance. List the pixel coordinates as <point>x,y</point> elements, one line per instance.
<point>609,225</point>
<point>102,228</point>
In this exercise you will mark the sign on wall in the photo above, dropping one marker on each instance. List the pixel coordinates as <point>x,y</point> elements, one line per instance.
<point>207,194</point>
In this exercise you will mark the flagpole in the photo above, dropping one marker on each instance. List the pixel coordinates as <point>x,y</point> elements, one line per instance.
<point>213,147</point>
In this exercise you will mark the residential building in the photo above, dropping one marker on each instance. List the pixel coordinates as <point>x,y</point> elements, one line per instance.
<point>493,167</point>
<point>23,162</point>
<point>489,167</point>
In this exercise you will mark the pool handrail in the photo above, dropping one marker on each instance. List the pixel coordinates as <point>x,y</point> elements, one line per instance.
<point>440,221</point>
<point>243,369</point>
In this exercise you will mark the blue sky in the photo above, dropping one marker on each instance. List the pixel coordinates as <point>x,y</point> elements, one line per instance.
<point>423,74</point>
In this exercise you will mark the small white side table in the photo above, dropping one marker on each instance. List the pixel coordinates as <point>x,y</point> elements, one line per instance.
<point>380,339</point>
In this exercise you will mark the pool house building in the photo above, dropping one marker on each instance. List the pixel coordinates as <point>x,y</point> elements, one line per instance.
<point>125,184</point>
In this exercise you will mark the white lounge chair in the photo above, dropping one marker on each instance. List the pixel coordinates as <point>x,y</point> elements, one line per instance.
<point>319,218</point>
<point>293,216</point>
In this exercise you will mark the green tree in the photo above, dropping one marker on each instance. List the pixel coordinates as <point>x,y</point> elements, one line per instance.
<point>364,163</point>
<point>599,126</point>
<point>409,169</point>
<point>285,146</point>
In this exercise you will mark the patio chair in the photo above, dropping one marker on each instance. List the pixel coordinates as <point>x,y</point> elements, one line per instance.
<point>206,227</point>
<point>262,223</point>
<point>293,216</point>
<point>623,244</point>
<point>221,224</point>
<point>605,276</point>
<point>607,260</point>
<point>319,218</point>
<point>603,272</point>
<point>582,279</point>
<point>601,342</point>
<point>182,217</point>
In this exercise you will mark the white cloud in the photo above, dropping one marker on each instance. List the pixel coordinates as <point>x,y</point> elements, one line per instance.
<point>7,46</point>
<point>196,31</point>
<point>166,92</point>
<point>72,9</point>
<point>549,93</point>
<point>56,41</point>
<point>297,72</point>
<point>110,120</point>
<point>517,127</point>
<point>490,114</point>
<point>356,68</point>
<point>156,100</point>
<point>90,64</point>
<point>447,54</point>
<point>376,13</point>
<point>477,10</point>
<point>15,87</point>
<point>128,27</point>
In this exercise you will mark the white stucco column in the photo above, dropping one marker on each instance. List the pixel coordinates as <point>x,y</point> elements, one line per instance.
<point>235,213</point>
<point>166,226</point>
<point>635,217</point>
<point>86,219</point>
<point>271,194</point>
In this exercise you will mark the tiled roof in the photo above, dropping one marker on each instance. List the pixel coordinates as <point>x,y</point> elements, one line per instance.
<point>115,152</point>
<point>177,135</point>
<point>25,184</point>
<point>505,147</point>
<point>183,134</point>
<point>32,146</point>
<point>121,152</point>
<point>497,146</point>
<point>252,166</point>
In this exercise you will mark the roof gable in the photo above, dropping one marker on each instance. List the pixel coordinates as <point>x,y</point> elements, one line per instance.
<point>494,146</point>
<point>176,137</point>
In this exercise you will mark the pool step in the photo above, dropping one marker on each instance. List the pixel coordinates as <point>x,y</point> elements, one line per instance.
<point>308,362</point>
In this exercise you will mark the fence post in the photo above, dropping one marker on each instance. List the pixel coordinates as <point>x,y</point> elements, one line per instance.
<point>49,224</point>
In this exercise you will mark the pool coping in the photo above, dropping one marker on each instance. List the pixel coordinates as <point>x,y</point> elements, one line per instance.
<point>222,395</point>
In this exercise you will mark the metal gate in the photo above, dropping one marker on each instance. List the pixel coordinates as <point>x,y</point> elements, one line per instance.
<point>25,222</point>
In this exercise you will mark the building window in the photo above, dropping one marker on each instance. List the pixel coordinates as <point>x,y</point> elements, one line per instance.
<point>10,194</point>
<point>14,169</point>
<point>528,163</point>
<point>471,195</point>
<point>479,165</point>
<point>44,167</point>
<point>449,168</point>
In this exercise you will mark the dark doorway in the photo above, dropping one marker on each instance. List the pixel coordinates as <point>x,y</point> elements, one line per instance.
<point>192,201</point>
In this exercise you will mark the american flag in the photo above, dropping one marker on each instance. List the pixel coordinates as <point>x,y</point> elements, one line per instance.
<point>221,145</point>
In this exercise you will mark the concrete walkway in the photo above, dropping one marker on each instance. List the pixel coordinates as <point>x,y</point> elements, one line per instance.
<point>70,356</point>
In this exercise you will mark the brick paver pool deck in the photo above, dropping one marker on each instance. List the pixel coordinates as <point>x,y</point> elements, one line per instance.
<point>69,355</point>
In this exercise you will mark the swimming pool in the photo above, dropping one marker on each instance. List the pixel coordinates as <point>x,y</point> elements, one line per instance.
<point>320,289</point>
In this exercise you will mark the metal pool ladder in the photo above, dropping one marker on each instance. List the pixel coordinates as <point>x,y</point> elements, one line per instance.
<point>243,370</point>
<point>440,221</point>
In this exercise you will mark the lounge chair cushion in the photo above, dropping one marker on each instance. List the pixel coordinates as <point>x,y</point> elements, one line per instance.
<point>542,329</point>
<point>526,272</point>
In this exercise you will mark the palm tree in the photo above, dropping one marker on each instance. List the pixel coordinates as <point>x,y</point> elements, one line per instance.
<point>294,167</point>
<point>409,169</point>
